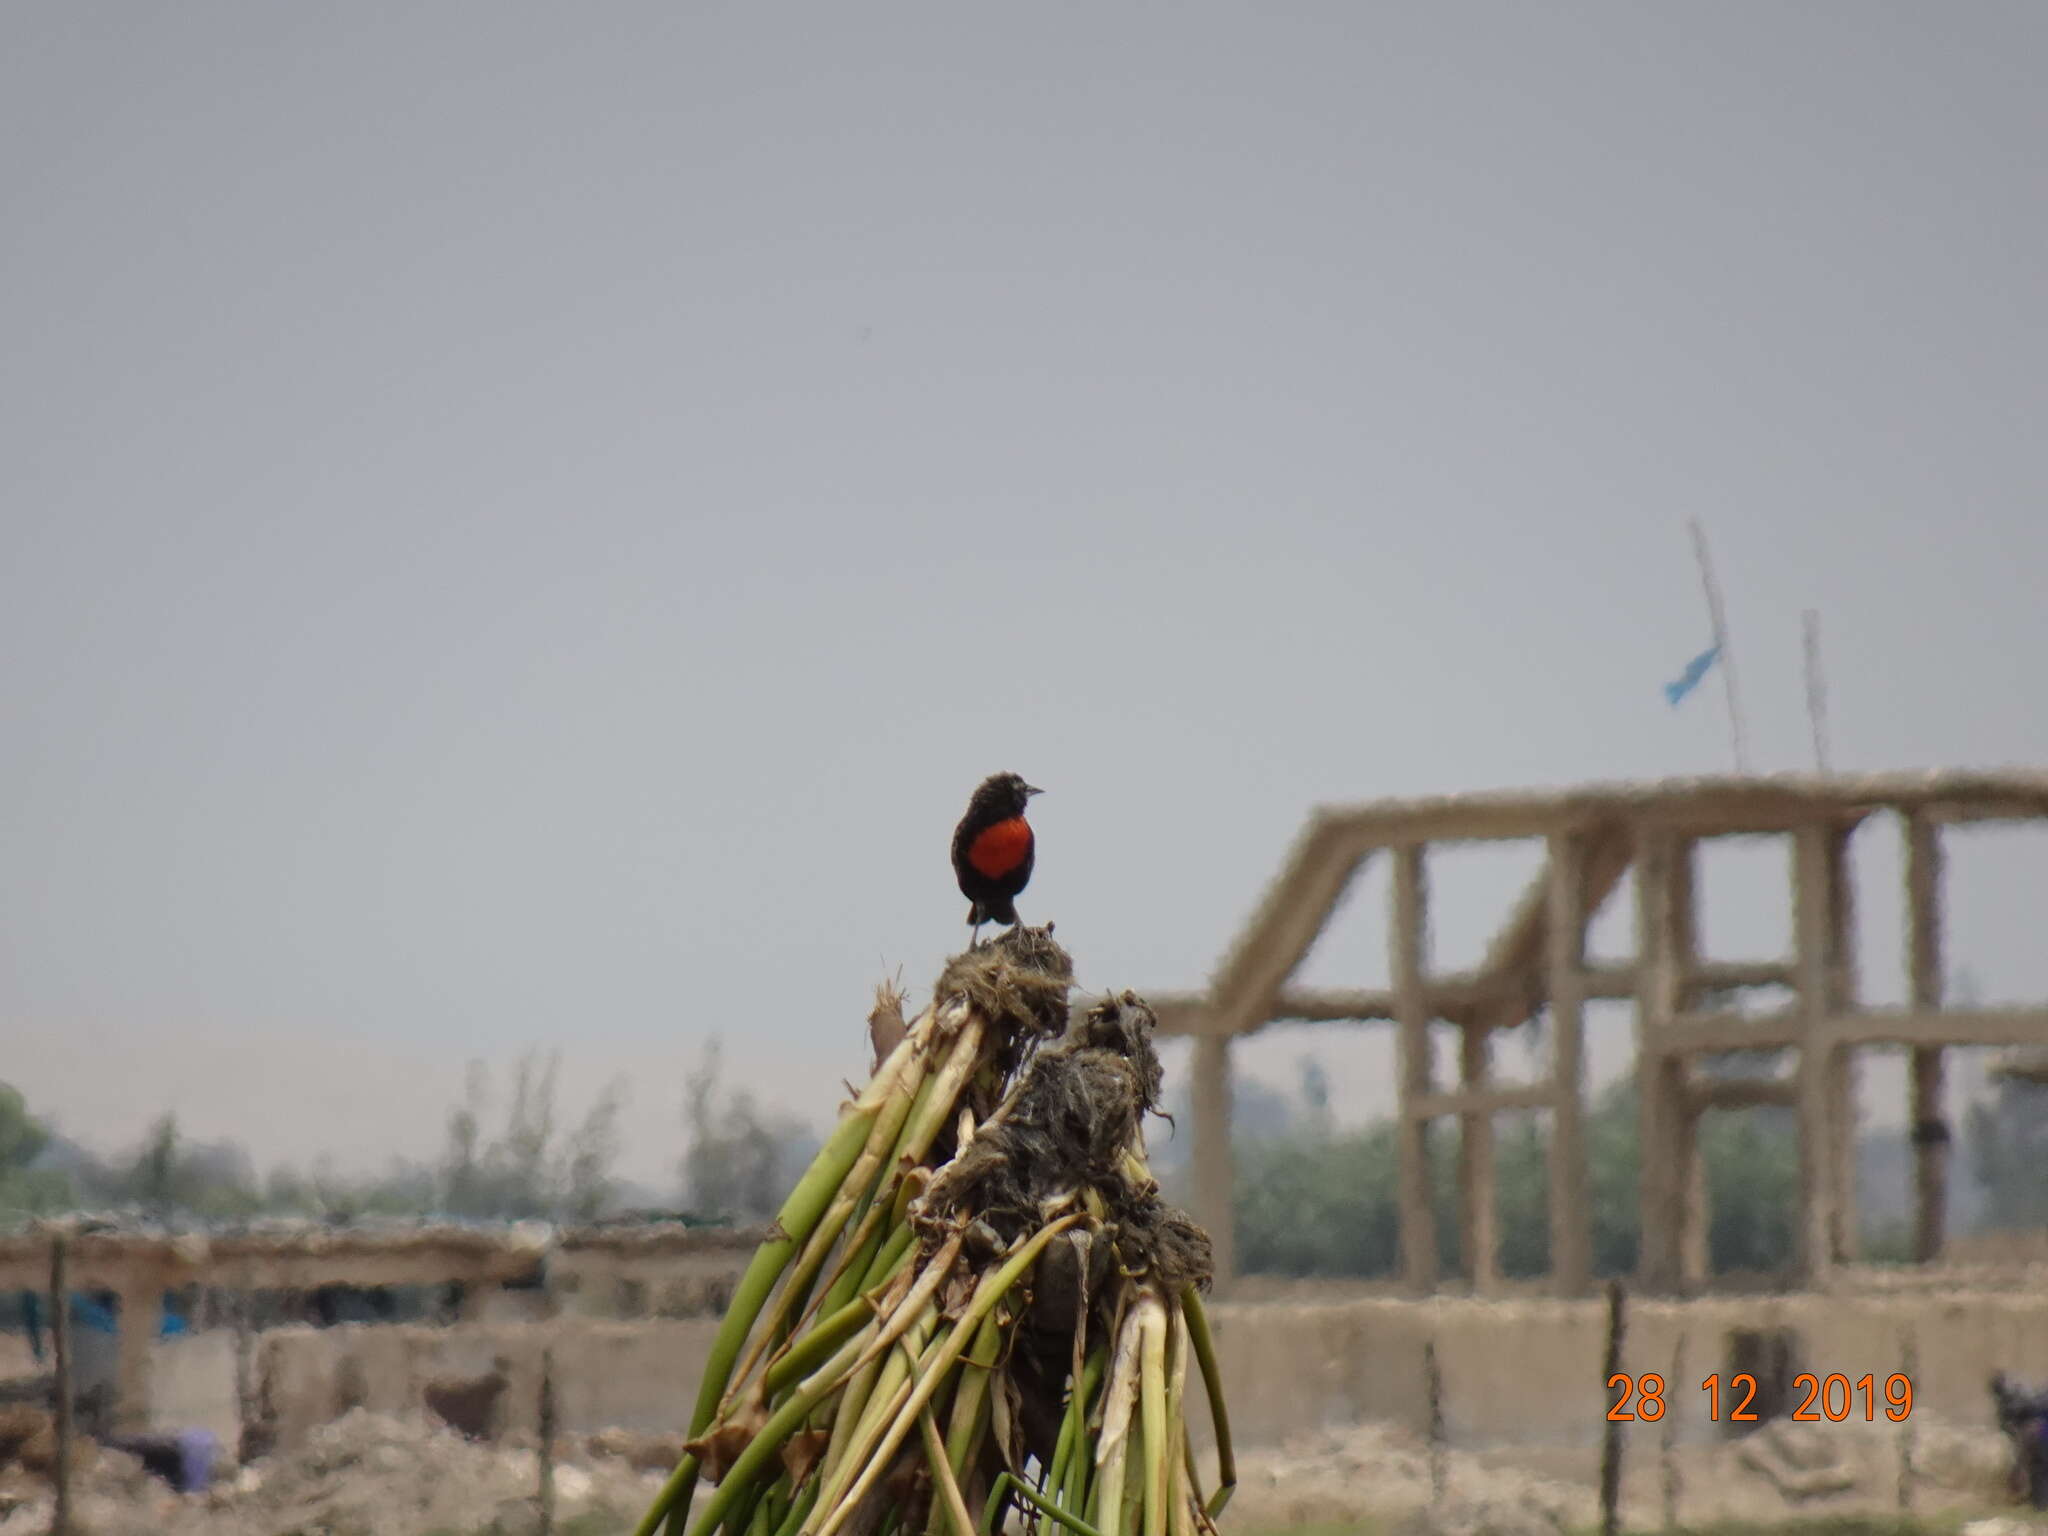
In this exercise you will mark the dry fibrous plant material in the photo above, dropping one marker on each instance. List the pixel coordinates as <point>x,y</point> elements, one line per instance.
<point>975,1301</point>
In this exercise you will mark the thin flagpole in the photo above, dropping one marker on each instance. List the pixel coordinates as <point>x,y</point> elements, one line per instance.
<point>1727,656</point>
<point>1816,692</point>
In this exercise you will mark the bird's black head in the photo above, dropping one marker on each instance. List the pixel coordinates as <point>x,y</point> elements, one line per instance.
<point>1004,794</point>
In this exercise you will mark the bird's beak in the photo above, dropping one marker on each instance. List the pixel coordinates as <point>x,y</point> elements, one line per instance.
<point>1029,791</point>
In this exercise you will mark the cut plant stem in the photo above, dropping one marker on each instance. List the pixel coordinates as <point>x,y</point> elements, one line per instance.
<point>947,1489</point>
<point>1007,1483</point>
<point>767,1441</point>
<point>891,1099</point>
<point>970,1402</point>
<point>990,1291</point>
<point>913,1306</point>
<point>1212,1382</point>
<point>818,1343</point>
<point>1152,1399</point>
<point>884,1401</point>
<point>1071,1457</point>
<point>1106,1499</point>
<point>799,1215</point>
<point>1179,1496</point>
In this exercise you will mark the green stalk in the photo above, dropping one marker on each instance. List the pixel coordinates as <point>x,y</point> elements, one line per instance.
<point>761,1451</point>
<point>885,1401</point>
<point>1080,1467</point>
<point>1112,1448</point>
<point>739,1520</point>
<point>919,1128</point>
<point>818,1344</point>
<point>800,1511</point>
<point>890,1105</point>
<point>898,1365</point>
<point>1212,1382</point>
<point>868,1233</point>
<point>1062,1453</point>
<point>913,1307</point>
<point>1177,1352</point>
<point>920,1132</point>
<point>990,1291</point>
<point>799,1215</point>
<point>945,1487</point>
<point>1008,1483</point>
<point>1134,1487</point>
<point>891,1255</point>
<point>964,1431</point>
<point>674,1498</point>
<point>862,1249</point>
<point>853,1404</point>
<point>1152,1397</point>
<point>1071,1451</point>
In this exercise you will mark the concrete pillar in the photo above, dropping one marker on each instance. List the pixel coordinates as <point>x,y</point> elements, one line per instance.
<point>1664,945</point>
<point>140,1318</point>
<point>1926,983</point>
<point>1695,1253</point>
<point>1410,962</point>
<point>1215,1174</point>
<point>1819,1059</point>
<point>1571,1207</point>
<point>1478,1197</point>
<point>1845,1235</point>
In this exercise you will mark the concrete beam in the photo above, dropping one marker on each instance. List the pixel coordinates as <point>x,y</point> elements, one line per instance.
<point>1741,1093</point>
<point>1925,984</point>
<point>1214,1168</point>
<point>1571,1216</point>
<point>1466,1102</point>
<point>1813,929</point>
<point>1410,967</point>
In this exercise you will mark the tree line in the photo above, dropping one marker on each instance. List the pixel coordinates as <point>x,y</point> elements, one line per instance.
<point>1311,1199</point>
<point>506,1155</point>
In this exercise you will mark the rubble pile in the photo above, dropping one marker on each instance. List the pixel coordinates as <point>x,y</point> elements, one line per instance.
<point>365,1474</point>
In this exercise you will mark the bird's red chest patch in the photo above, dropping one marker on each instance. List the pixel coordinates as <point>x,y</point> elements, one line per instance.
<point>1001,848</point>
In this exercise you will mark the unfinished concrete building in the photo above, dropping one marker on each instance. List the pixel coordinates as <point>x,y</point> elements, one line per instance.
<point>625,1270</point>
<point>1592,838</point>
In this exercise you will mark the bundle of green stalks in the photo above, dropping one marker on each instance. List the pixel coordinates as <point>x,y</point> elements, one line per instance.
<point>975,1304</point>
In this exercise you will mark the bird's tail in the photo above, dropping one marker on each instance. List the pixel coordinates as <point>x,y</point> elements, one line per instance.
<point>997,909</point>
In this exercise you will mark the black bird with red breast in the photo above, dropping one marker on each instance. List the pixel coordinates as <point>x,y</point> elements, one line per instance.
<point>993,850</point>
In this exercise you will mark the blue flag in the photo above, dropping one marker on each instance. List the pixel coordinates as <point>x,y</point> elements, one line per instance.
<point>1690,678</point>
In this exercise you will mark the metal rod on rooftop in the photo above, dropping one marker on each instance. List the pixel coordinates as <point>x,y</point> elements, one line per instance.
<point>1720,621</point>
<point>1816,691</point>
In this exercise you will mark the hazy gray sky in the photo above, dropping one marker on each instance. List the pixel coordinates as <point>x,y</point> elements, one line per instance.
<point>523,524</point>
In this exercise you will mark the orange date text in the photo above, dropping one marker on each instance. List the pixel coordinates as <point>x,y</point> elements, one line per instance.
<point>1832,1398</point>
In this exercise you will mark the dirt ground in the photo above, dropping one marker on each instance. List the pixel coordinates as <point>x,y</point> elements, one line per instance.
<point>373,1475</point>
<point>1375,1473</point>
<point>365,1474</point>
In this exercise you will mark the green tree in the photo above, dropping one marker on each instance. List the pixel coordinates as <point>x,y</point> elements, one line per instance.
<point>526,1171</point>
<point>740,1161</point>
<point>593,1154</point>
<point>1313,1203</point>
<point>26,1189</point>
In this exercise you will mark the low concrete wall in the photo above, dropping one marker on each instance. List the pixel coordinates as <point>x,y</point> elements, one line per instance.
<point>640,1376</point>
<point>1521,1373</point>
<point>1530,1372</point>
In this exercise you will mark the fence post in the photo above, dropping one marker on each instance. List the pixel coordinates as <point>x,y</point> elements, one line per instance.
<point>1670,1440</point>
<point>547,1442</point>
<point>1439,1470</point>
<point>1909,1365</point>
<point>60,1340</point>
<point>1610,1449</point>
